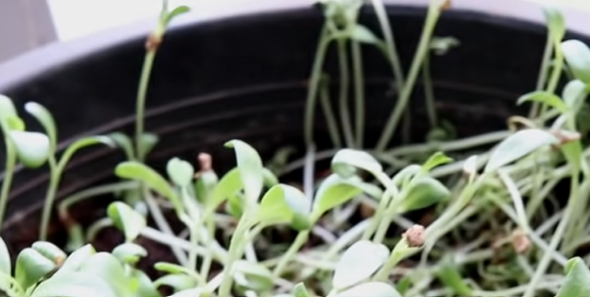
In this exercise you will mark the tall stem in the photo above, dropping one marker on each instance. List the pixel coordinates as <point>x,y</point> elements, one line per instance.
<point>344,82</point>
<point>423,47</point>
<point>141,99</point>
<point>359,89</point>
<point>8,174</point>
<point>164,226</point>
<point>390,43</point>
<point>314,82</point>
<point>390,191</point>
<point>293,249</point>
<point>235,248</point>
<point>329,115</point>
<point>429,92</point>
<point>207,261</point>
<point>55,175</point>
<point>543,73</point>
<point>555,74</point>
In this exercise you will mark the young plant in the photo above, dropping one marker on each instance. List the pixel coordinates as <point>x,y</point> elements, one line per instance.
<point>152,45</point>
<point>45,270</point>
<point>56,166</point>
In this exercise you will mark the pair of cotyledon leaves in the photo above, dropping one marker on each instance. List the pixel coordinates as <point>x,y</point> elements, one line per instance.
<point>45,270</point>
<point>34,148</point>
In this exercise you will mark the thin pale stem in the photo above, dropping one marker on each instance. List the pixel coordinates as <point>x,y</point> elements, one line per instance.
<point>329,116</point>
<point>423,48</point>
<point>390,43</point>
<point>314,82</point>
<point>208,259</point>
<point>55,175</point>
<point>359,89</point>
<point>8,175</point>
<point>548,52</point>
<point>291,252</point>
<point>344,82</point>
<point>234,255</point>
<point>141,100</point>
<point>429,92</point>
<point>164,226</point>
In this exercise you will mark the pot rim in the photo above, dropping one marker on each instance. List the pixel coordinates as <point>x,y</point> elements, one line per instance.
<point>55,55</point>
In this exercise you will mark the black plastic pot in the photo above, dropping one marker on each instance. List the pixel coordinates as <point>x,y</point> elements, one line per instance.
<point>244,77</point>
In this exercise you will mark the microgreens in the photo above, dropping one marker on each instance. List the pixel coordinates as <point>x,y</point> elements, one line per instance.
<point>475,216</point>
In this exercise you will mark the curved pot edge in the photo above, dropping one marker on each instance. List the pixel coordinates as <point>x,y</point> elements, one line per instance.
<point>53,56</point>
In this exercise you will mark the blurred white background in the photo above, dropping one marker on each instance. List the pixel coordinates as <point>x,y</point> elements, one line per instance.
<point>76,18</point>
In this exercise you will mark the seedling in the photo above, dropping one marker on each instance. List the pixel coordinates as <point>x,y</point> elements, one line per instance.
<point>476,216</point>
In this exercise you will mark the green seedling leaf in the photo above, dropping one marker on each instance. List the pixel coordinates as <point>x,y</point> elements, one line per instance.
<point>250,168</point>
<point>334,191</point>
<point>235,206</point>
<point>425,192</point>
<point>373,289</point>
<point>555,23</point>
<point>574,94</point>
<point>363,34</point>
<point>141,285</point>
<point>13,123</point>
<point>46,119</point>
<point>403,177</point>
<point>577,280</point>
<point>546,98</point>
<point>174,13</point>
<point>450,276</point>
<point>228,186</point>
<point>403,285</point>
<point>5,264</point>
<point>7,108</point>
<point>517,146</point>
<point>178,282</point>
<point>33,148</point>
<point>437,159</point>
<point>129,253</point>
<point>76,259</point>
<point>31,267</point>
<point>140,172</point>
<point>577,56</point>
<point>359,262</point>
<point>346,162</point>
<point>442,45</point>
<point>147,143</point>
<point>181,172</point>
<point>75,284</point>
<point>300,291</point>
<point>573,153</point>
<point>9,119</point>
<point>50,251</point>
<point>285,204</point>
<point>205,186</point>
<point>126,219</point>
<point>171,268</point>
<point>270,179</point>
<point>108,268</point>
<point>124,142</point>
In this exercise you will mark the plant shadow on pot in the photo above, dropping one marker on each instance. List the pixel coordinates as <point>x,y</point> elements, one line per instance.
<point>245,78</point>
